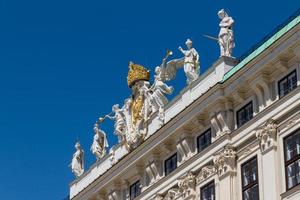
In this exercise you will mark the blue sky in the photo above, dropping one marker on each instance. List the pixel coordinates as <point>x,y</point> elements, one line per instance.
<point>64,63</point>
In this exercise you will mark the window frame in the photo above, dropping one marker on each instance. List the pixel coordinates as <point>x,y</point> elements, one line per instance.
<point>289,162</point>
<point>243,108</point>
<point>203,134</point>
<point>138,182</point>
<point>206,185</point>
<point>286,78</point>
<point>242,177</point>
<point>170,158</point>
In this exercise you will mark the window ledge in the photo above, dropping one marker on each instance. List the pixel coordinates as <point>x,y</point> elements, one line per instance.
<point>290,192</point>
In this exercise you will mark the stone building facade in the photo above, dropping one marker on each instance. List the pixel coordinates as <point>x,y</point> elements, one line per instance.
<point>232,134</point>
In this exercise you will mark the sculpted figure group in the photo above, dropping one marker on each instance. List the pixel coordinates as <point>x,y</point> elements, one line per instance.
<point>129,124</point>
<point>132,119</point>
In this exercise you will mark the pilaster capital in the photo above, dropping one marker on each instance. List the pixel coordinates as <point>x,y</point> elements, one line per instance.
<point>225,161</point>
<point>266,135</point>
<point>186,185</point>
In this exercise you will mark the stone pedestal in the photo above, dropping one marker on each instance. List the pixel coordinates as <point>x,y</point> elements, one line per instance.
<point>223,65</point>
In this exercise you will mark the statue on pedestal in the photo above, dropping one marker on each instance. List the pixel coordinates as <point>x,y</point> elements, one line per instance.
<point>77,164</point>
<point>226,37</point>
<point>191,62</point>
<point>100,143</point>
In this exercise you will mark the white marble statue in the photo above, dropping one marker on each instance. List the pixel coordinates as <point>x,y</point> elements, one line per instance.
<point>149,108</point>
<point>123,121</point>
<point>191,62</point>
<point>155,95</point>
<point>130,133</point>
<point>159,91</point>
<point>120,122</point>
<point>226,37</point>
<point>100,143</point>
<point>77,164</point>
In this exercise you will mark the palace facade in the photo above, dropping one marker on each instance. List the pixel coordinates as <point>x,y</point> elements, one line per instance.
<point>233,134</point>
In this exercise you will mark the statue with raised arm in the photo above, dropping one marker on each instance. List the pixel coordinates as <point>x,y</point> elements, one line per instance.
<point>77,164</point>
<point>100,143</point>
<point>191,62</point>
<point>226,37</point>
<point>159,91</point>
<point>155,96</point>
<point>120,123</point>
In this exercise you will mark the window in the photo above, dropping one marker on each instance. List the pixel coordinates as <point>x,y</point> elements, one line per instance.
<point>204,140</point>
<point>250,180</point>
<point>171,164</point>
<point>208,192</point>
<point>244,114</point>
<point>287,84</point>
<point>292,159</point>
<point>135,190</point>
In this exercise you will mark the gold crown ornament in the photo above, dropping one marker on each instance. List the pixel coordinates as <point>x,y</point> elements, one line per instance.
<point>136,73</point>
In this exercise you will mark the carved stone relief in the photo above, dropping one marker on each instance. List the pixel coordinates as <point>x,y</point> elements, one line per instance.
<point>225,161</point>
<point>205,173</point>
<point>266,135</point>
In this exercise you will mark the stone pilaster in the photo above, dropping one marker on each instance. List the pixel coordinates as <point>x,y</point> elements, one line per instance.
<point>266,136</point>
<point>225,165</point>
